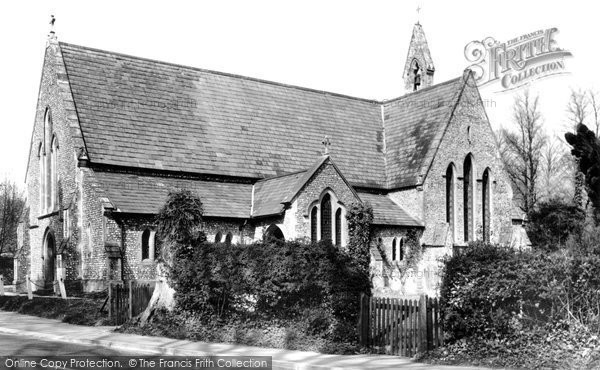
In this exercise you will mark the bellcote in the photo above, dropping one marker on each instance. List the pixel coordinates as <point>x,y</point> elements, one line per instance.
<point>419,69</point>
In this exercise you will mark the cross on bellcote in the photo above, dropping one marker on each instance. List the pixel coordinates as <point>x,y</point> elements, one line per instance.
<point>326,144</point>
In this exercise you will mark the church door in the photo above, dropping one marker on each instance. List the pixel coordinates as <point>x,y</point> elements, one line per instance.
<point>49,259</point>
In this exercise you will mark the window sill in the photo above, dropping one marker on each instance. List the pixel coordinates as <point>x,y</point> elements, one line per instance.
<point>148,262</point>
<point>48,214</point>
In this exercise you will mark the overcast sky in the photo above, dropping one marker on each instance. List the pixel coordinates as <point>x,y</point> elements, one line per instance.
<point>356,48</point>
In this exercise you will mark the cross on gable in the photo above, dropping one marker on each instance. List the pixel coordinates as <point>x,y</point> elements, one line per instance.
<point>326,144</point>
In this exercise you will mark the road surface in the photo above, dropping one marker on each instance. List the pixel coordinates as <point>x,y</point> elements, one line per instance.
<point>16,345</point>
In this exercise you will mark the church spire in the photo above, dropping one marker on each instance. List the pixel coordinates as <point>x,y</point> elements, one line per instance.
<point>419,69</point>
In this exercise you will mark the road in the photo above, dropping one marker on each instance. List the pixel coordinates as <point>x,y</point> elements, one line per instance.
<point>11,345</point>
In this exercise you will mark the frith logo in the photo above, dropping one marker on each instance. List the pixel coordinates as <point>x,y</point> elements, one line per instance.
<point>516,62</point>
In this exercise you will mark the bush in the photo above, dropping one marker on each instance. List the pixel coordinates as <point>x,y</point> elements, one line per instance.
<point>553,223</point>
<point>314,282</point>
<point>502,305</point>
<point>72,311</point>
<point>305,290</point>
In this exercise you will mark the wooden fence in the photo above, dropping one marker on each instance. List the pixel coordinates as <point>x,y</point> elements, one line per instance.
<point>128,300</point>
<point>400,326</point>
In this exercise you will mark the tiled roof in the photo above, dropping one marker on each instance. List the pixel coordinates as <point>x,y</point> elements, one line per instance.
<point>270,194</point>
<point>146,114</point>
<point>146,194</point>
<point>414,126</point>
<point>387,212</point>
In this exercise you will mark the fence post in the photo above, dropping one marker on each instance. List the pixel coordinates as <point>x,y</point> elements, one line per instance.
<point>1,284</point>
<point>29,291</point>
<point>61,287</point>
<point>360,320</point>
<point>110,301</point>
<point>423,323</point>
<point>130,310</point>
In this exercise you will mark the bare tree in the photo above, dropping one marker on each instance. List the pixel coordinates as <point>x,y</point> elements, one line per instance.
<point>556,172</point>
<point>577,108</point>
<point>523,151</point>
<point>578,113</point>
<point>12,205</point>
<point>594,103</point>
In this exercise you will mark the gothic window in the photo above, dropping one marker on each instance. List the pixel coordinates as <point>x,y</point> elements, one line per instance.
<point>401,250</point>
<point>273,234</point>
<point>486,197</point>
<point>41,159</point>
<point>338,227</point>
<point>218,237</point>
<point>468,185</point>
<point>228,238</point>
<point>314,237</point>
<point>394,249</point>
<point>54,174</point>
<point>146,245</point>
<point>450,198</point>
<point>326,218</point>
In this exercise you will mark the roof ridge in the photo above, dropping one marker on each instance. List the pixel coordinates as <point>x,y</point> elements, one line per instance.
<point>280,176</point>
<point>233,75</point>
<point>414,93</point>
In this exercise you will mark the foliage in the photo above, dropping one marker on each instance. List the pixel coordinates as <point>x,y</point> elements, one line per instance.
<point>72,311</point>
<point>586,148</point>
<point>270,280</point>
<point>12,206</point>
<point>180,217</point>
<point>510,302</point>
<point>360,219</point>
<point>412,252</point>
<point>551,225</point>
<point>293,335</point>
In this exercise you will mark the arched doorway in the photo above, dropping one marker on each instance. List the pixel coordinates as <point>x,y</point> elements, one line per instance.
<point>273,234</point>
<point>49,259</point>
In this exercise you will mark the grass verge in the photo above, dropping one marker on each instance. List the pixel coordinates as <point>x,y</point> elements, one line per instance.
<point>83,311</point>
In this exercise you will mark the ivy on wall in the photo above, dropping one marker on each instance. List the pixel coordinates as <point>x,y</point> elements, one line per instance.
<point>360,220</point>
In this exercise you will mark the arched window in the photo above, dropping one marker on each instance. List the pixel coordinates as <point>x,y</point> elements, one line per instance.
<point>326,218</point>
<point>486,203</point>
<point>416,70</point>
<point>401,249</point>
<point>228,238</point>
<point>338,227</point>
<point>146,245</point>
<point>394,249</point>
<point>314,237</point>
<point>42,183</point>
<point>47,167</point>
<point>218,237</point>
<point>468,181</point>
<point>273,234</point>
<point>450,198</point>
<point>54,174</point>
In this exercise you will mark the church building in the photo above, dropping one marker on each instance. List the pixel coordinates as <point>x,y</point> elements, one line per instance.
<point>113,134</point>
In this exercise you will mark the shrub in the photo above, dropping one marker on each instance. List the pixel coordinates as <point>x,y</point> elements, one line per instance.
<point>494,291</point>
<point>553,223</point>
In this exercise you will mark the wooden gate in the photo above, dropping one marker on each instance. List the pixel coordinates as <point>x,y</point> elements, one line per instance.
<point>128,301</point>
<point>400,326</point>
